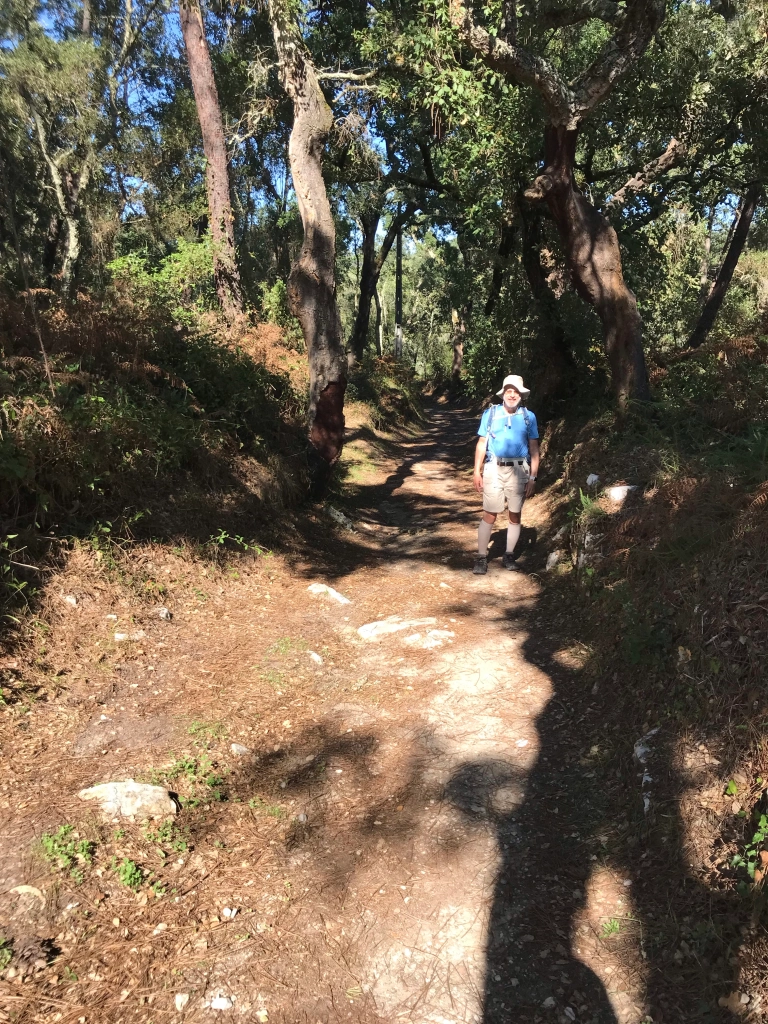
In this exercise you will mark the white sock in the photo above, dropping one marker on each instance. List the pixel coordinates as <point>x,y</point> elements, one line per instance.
<point>513,536</point>
<point>484,532</point>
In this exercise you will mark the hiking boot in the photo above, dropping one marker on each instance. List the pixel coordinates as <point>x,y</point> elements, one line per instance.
<point>510,562</point>
<point>481,565</point>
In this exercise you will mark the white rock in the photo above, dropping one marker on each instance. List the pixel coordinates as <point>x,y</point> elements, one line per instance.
<point>593,480</point>
<point>323,590</point>
<point>131,799</point>
<point>554,557</point>
<point>561,534</point>
<point>340,518</point>
<point>181,1000</point>
<point>165,614</point>
<point>436,638</point>
<point>392,624</point>
<point>112,618</point>
<point>642,748</point>
<point>71,600</point>
<point>521,743</point>
<point>221,1003</point>
<point>229,912</point>
<point>162,927</point>
<point>120,637</point>
<point>315,657</point>
<point>239,749</point>
<point>620,492</point>
<point>549,1003</point>
<point>262,1016</point>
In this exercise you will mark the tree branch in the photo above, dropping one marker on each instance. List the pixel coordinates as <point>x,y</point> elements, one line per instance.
<point>574,14</point>
<point>674,155</point>
<point>345,76</point>
<point>620,53</point>
<point>515,63</point>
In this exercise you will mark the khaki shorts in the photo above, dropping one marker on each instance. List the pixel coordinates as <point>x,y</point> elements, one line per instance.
<point>504,482</point>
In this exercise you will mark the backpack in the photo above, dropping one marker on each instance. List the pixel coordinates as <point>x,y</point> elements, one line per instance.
<point>492,436</point>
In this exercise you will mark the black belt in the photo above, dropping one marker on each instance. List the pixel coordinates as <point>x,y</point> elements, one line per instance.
<point>508,462</point>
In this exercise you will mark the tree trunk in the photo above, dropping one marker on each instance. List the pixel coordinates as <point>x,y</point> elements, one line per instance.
<point>369,279</point>
<point>738,235</point>
<point>399,295</point>
<point>553,361</point>
<point>594,260</point>
<point>312,281</point>
<point>500,263</point>
<point>51,248</point>
<point>379,326</point>
<point>225,269</point>
<point>458,331</point>
<point>704,265</point>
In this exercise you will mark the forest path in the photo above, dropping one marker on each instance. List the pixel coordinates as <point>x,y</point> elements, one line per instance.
<point>409,834</point>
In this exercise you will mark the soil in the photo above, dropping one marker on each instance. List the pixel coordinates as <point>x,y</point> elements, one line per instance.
<point>412,831</point>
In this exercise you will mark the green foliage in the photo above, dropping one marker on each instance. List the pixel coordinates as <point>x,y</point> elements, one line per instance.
<point>129,874</point>
<point>181,283</point>
<point>6,952</point>
<point>749,856</point>
<point>66,852</point>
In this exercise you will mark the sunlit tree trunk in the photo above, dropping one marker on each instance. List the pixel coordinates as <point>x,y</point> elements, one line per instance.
<point>225,268</point>
<point>399,295</point>
<point>312,281</point>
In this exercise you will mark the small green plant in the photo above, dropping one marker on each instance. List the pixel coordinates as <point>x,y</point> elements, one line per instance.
<point>66,852</point>
<point>69,974</point>
<point>207,732</point>
<point>6,952</point>
<point>274,678</point>
<point>285,645</point>
<point>589,507</point>
<point>271,810</point>
<point>118,834</point>
<point>750,857</point>
<point>167,835</point>
<point>158,890</point>
<point>129,874</point>
<point>611,927</point>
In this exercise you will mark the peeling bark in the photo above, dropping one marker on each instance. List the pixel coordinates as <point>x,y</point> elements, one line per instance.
<point>225,269</point>
<point>312,281</point>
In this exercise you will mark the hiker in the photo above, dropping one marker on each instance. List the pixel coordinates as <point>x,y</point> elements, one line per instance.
<point>506,464</point>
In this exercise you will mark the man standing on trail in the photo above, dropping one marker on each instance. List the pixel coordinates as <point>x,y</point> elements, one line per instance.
<point>506,465</point>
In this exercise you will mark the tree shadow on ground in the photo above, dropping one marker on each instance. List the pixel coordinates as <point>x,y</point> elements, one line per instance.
<point>582,817</point>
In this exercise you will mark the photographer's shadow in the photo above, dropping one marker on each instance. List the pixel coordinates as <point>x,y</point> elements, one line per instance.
<point>531,973</point>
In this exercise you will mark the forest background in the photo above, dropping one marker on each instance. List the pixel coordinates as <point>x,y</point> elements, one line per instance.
<point>222,226</point>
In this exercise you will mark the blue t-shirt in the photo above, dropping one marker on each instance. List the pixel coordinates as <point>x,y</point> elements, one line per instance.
<point>508,434</point>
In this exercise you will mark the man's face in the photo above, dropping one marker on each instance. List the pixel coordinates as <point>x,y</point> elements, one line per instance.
<point>511,396</point>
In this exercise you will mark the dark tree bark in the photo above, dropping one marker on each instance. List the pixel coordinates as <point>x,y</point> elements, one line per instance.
<point>399,294</point>
<point>369,279</point>
<point>590,243</point>
<point>379,339</point>
<point>370,271</point>
<point>594,259</point>
<point>312,281</point>
<point>225,269</point>
<point>506,244</point>
<point>552,362</point>
<point>738,235</point>
<point>51,248</point>
<point>458,333</point>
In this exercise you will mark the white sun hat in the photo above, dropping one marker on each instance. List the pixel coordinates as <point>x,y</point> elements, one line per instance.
<point>517,383</point>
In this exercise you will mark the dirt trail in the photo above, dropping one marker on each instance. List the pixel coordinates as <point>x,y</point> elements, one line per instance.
<point>409,838</point>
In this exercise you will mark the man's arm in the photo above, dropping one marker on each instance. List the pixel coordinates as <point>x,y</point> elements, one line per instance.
<point>479,460</point>
<point>533,447</point>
